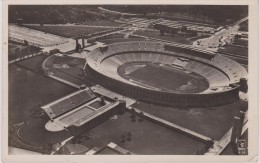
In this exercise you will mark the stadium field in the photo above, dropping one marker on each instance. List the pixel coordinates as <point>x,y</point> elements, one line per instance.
<point>70,61</point>
<point>67,68</point>
<point>166,78</point>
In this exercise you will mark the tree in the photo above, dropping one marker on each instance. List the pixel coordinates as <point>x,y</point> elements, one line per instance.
<point>49,147</point>
<point>123,138</point>
<point>133,110</point>
<point>129,134</point>
<point>184,28</point>
<point>162,31</point>
<point>141,113</point>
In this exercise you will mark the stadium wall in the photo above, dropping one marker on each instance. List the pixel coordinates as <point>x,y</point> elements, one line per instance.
<point>165,98</point>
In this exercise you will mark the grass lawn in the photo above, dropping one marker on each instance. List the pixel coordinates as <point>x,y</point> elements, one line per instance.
<point>165,79</point>
<point>213,122</point>
<point>159,77</point>
<point>34,63</point>
<point>146,137</point>
<point>35,134</point>
<point>28,91</point>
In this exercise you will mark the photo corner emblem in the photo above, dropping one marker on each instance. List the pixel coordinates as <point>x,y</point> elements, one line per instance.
<point>242,147</point>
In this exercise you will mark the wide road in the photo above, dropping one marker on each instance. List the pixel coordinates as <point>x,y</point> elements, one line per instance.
<point>219,38</point>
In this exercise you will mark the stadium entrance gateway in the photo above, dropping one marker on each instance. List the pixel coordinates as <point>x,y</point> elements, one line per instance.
<point>81,111</point>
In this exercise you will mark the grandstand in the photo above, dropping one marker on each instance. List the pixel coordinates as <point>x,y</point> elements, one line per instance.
<point>68,103</point>
<point>82,109</point>
<point>220,72</point>
<point>36,38</point>
<point>40,39</point>
<point>215,77</point>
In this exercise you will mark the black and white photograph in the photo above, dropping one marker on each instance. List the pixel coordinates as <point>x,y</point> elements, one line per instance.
<point>128,79</point>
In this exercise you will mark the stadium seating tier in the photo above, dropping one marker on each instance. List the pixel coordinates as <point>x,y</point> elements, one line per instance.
<point>219,71</point>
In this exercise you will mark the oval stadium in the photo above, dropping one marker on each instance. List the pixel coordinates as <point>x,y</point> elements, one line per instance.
<point>115,80</point>
<point>168,74</point>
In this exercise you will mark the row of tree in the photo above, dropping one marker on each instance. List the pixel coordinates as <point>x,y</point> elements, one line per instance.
<point>176,32</point>
<point>220,14</point>
<point>51,14</point>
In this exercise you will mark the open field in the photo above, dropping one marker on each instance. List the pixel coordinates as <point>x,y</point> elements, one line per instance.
<point>68,31</point>
<point>34,63</point>
<point>24,104</point>
<point>213,122</point>
<point>40,137</point>
<point>23,101</point>
<point>153,139</point>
